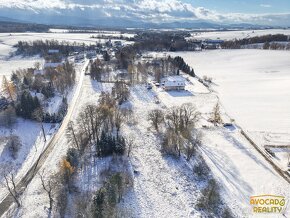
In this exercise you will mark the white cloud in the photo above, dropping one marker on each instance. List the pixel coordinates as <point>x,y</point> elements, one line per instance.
<point>265,6</point>
<point>143,10</point>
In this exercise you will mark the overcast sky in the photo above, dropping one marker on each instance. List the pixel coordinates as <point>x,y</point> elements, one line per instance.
<point>275,12</point>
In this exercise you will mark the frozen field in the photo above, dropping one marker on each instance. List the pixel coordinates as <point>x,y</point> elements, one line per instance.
<point>8,66</point>
<point>12,39</point>
<point>228,35</point>
<point>253,85</point>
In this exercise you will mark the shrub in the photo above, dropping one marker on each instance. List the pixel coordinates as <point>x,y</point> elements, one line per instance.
<point>13,145</point>
<point>108,145</point>
<point>72,156</point>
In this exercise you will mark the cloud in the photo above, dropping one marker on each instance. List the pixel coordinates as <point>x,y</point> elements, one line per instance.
<point>154,11</point>
<point>265,6</point>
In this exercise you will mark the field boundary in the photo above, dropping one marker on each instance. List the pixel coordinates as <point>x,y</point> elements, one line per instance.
<point>282,173</point>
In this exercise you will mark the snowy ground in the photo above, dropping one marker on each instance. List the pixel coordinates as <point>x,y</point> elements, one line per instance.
<point>229,35</point>
<point>32,144</point>
<point>164,186</point>
<point>8,66</point>
<point>238,167</point>
<point>253,87</point>
<point>241,170</point>
<point>12,39</point>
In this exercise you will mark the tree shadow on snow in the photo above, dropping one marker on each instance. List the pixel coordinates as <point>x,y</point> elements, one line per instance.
<point>181,93</point>
<point>242,148</point>
<point>231,174</point>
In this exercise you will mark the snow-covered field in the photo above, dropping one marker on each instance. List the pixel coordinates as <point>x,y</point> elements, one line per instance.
<point>13,38</point>
<point>8,66</point>
<point>229,35</point>
<point>253,85</point>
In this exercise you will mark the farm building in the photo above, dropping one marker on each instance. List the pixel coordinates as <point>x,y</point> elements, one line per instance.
<point>52,65</point>
<point>173,83</point>
<point>53,51</point>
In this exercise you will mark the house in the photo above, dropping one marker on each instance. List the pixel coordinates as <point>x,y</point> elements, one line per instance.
<point>173,83</point>
<point>53,51</point>
<point>52,65</point>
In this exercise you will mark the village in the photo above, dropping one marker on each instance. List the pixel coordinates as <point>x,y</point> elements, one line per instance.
<point>115,131</point>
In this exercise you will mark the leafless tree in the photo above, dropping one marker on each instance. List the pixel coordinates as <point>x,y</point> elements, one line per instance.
<point>47,186</point>
<point>188,116</point>
<point>193,140</point>
<point>72,134</point>
<point>11,187</point>
<point>216,115</point>
<point>119,120</point>
<point>37,65</point>
<point>173,118</point>
<point>156,117</point>
<point>130,143</point>
<point>38,115</point>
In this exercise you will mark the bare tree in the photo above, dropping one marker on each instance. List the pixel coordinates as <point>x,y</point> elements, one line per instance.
<point>173,118</point>
<point>193,140</point>
<point>216,115</point>
<point>188,116</point>
<point>38,115</point>
<point>72,135</point>
<point>11,187</point>
<point>37,65</point>
<point>119,120</point>
<point>130,143</point>
<point>8,88</point>
<point>48,188</point>
<point>156,117</point>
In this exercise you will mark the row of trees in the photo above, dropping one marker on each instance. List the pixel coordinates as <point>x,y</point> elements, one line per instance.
<point>41,47</point>
<point>181,65</point>
<point>267,40</point>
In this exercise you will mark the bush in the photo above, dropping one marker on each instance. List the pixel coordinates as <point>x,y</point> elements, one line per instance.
<point>72,156</point>
<point>201,170</point>
<point>106,198</point>
<point>13,145</point>
<point>210,200</point>
<point>7,117</point>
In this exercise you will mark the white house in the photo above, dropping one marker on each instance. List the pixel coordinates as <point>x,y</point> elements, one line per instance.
<point>52,65</point>
<point>173,83</point>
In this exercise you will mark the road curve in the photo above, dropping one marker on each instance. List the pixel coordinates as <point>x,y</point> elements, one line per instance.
<point>25,180</point>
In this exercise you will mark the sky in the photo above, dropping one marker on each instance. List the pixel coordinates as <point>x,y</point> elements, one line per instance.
<point>263,12</point>
<point>243,6</point>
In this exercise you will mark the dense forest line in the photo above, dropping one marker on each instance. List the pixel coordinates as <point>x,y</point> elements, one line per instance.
<point>267,40</point>
<point>42,46</point>
<point>11,27</point>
